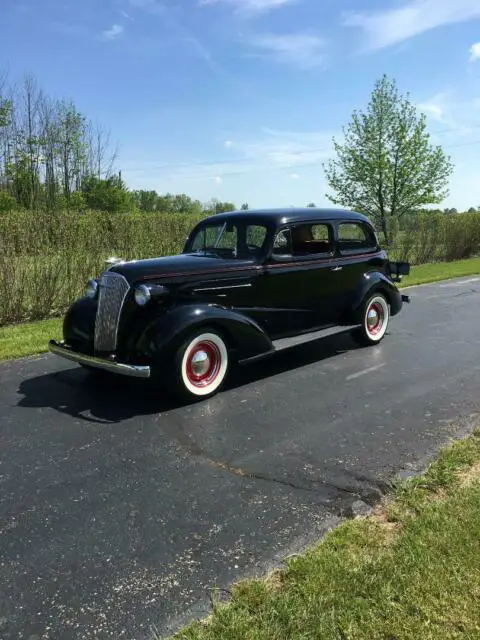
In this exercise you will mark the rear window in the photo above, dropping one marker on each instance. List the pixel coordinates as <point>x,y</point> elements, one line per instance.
<point>355,236</point>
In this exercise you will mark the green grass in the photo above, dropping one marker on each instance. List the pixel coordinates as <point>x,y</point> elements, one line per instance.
<point>410,571</point>
<point>32,338</point>
<point>28,339</point>
<point>436,271</point>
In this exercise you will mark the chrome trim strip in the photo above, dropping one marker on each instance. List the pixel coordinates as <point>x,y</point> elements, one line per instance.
<point>226,286</point>
<point>133,371</point>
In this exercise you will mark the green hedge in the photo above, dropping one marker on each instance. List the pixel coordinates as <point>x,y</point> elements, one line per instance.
<point>437,237</point>
<point>45,258</point>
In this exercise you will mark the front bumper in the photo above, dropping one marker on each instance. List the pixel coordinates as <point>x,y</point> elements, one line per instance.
<point>134,371</point>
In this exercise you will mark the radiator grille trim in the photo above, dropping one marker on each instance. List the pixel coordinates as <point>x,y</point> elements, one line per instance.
<point>113,289</point>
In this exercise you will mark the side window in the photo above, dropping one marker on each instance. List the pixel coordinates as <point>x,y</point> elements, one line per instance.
<point>282,245</point>
<point>256,235</point>
<point>311,239</point>
<point>354,236</point>
<point>228,239</point>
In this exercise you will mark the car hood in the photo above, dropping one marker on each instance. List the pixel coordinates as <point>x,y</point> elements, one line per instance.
<point>163,269</point>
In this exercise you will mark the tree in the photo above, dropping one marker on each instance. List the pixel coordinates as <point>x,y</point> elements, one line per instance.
<point>179,203</point>
<point>47,148</point>
<point>473,210</point>
<point>451,211</point>
<point>216,206</point>
<point>386,166</point>
<point>244,206</point>
<point>106,195</point>
<point>145,200</point>
<point>5,108</point>
<point>311,205</point>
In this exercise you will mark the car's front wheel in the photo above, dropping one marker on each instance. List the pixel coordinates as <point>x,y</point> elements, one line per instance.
<point>374,318</point>
<point>200,365</point>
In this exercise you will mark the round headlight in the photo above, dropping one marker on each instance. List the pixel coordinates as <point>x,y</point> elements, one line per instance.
<point>142,295</point>
<point>92,288</point>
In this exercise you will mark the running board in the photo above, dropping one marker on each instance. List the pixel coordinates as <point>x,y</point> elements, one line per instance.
<point>294,341</point>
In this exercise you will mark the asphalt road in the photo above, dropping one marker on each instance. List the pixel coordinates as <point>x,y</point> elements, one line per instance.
<point>120,512</point>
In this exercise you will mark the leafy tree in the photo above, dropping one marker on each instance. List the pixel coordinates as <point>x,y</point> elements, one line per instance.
<point>20,178</point>
<point>386,166</point>
<point>5,111</point>
<point>179,203</point>
<point>47,148</point>
<point>7,202</point>
<point>216,206</point>
<point>311,205</point>
<point>472,210</point>
<point>145,200</point>
<point>72,147</point>
<point>451,211</point>
<point>77,201</point>
<point>106,195</point>
<point>244,206</point>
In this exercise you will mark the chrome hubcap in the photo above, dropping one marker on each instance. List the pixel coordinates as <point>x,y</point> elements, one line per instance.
<point>200,363</point>
<point>372,317</point>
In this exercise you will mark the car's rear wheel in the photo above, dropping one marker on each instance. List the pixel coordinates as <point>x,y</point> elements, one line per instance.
<point>201,365</point>
<point>374,318</point>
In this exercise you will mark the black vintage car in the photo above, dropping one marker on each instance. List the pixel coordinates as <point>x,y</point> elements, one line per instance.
<point>246,283</point>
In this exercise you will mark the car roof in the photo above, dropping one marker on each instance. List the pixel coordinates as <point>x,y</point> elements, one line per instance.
<point>290,215</point>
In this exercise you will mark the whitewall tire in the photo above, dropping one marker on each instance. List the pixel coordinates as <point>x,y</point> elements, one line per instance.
<point>201,365</point>
<point>375,317</point>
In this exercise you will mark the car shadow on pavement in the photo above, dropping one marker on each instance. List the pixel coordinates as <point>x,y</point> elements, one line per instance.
<point>112,399</point>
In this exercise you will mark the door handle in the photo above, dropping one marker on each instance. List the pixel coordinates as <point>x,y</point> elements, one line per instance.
<point>336,268</point>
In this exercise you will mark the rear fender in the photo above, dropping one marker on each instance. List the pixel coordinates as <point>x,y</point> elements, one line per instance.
<point>371,283</point>
<point>162,337</point>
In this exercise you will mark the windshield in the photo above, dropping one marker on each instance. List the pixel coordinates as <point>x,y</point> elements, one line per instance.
<point>229,240</point>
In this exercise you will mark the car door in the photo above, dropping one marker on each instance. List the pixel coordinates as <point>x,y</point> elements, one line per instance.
<point>358,251</point>
<point>299,286</point>
<point>236,286</point>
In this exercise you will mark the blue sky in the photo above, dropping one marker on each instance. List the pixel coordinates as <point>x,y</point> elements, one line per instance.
<point>239,99</point>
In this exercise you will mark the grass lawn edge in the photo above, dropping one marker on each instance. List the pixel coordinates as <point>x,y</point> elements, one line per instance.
<point>438,477</point>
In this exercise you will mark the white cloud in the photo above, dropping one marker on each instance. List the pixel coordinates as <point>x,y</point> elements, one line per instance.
<point>228,144</point>
<point>114,32</point>
<point>435,108</point>
<point>391,26</point>
<point>459,119</point>
<point>294,176</point>
<point>218,180</point>
<point>251,7</point>
<point>301,50</point>
<point>125,15</point>
<point>266,150</point>
<point>475,52</point>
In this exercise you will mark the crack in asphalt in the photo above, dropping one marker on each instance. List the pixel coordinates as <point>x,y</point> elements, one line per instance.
<point>369,495</point>
<point>464,293</point>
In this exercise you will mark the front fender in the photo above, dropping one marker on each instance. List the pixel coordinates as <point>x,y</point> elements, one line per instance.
<point>372,282</point>
<point>79,324</point>
<point>160,339</point>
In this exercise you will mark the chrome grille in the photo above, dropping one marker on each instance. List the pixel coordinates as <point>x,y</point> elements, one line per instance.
<point>112,293</point>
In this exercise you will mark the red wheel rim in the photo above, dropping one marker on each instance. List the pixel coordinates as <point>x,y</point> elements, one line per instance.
<point>375,318</point>
<point>203,364</point>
